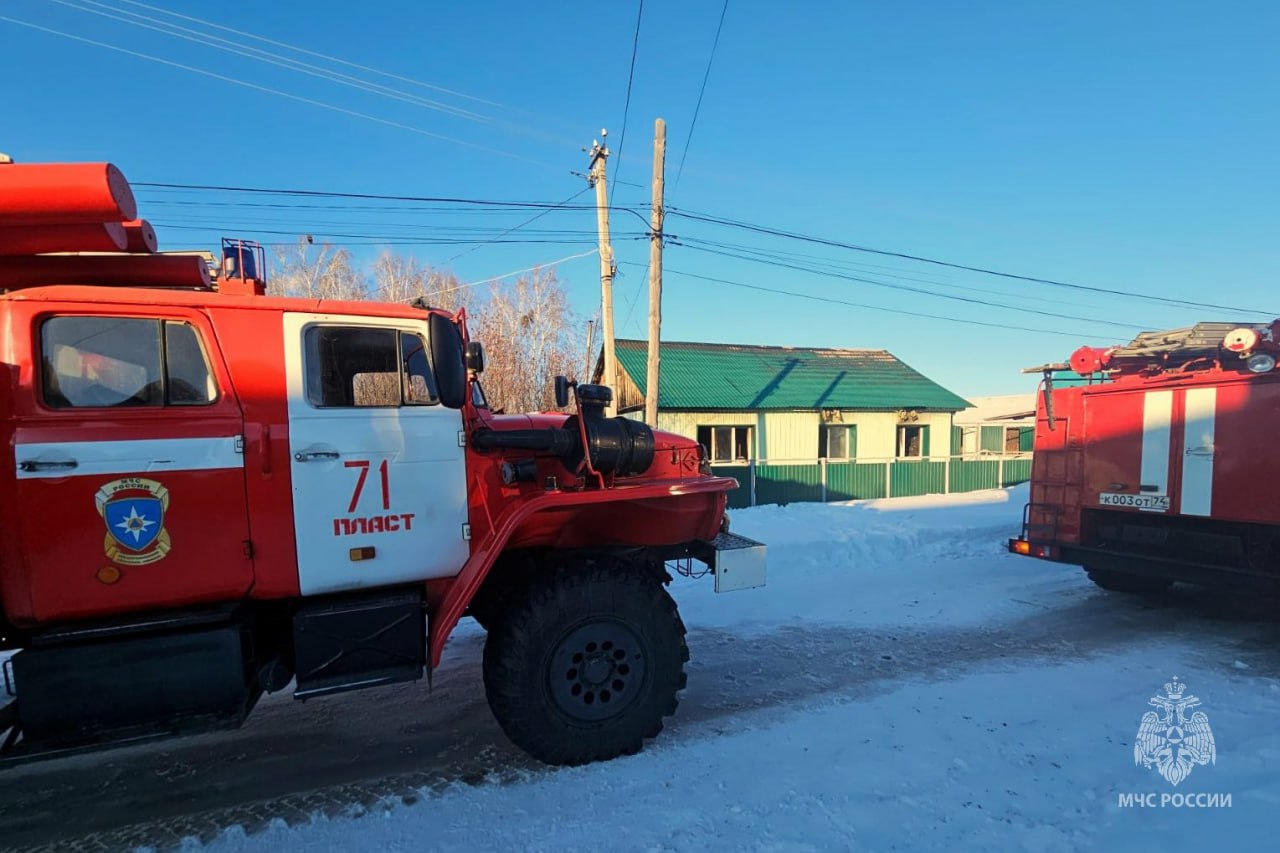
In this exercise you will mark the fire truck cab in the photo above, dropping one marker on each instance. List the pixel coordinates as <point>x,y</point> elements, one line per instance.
<point>126,404</point>
<point>213,493</point>
<point>1156,469</point>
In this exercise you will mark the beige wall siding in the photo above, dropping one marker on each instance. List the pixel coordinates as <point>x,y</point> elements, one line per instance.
<point>781,436</point>
<point>878,433</point>
<point>777,435</point>
<point>687,423</point>
<point>790,436</point>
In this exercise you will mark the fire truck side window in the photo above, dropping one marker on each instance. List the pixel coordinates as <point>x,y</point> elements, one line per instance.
<point>362,367</point>
<point>419,381</point>
<point>91,362</point>
<point>190,383</point>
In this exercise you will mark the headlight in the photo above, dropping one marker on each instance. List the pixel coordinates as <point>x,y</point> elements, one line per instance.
<point>1260,362</point>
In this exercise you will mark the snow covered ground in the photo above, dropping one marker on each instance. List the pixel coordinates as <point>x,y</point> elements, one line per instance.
<point>901,684</point>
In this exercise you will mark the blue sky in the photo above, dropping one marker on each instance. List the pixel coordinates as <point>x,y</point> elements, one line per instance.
<point>1123,146</point>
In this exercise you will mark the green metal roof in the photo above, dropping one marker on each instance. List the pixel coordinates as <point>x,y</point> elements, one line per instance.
<point>729,376</point>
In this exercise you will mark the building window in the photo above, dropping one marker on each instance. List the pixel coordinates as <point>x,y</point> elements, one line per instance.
<point>913,442</point>
<point>728,445</point>
<point>92,362</point>
<point>360,367</point>
<point>1018,439</point>
<point>837,441</point>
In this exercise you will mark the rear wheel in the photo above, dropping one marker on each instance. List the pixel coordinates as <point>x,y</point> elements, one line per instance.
<point>586,664</point>
<point>1132,584</point>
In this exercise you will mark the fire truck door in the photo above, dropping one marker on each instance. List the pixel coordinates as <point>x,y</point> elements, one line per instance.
<point>130,468</point>
<point>1127,450</point>
<point>378,468</point>
<point>1199,420</point>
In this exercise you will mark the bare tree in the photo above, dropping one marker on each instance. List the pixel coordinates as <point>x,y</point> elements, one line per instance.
<point>527,328</point>
<point>317,272</point>
<point>401,278</point>
<point>529,332</point>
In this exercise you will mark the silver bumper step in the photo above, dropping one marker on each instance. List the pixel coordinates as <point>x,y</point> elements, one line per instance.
<point>736,561</point>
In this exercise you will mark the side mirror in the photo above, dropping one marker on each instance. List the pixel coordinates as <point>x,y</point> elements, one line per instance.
<point>562,391</point>
<point>447,358</point>
<point>475,357</point>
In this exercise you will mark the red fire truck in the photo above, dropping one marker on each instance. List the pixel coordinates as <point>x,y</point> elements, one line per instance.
<point>212,493</point>
<point>1156,469</point>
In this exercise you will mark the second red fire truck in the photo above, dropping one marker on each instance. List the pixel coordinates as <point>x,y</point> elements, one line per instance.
<point>1159,468</point>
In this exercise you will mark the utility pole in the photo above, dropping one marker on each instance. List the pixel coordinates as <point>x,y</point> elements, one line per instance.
<point>591,328</point>
<point>599,157</point>
<point>655,272</point>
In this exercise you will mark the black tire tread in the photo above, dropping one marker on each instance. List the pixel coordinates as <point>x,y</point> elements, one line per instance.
<point>523,710</point>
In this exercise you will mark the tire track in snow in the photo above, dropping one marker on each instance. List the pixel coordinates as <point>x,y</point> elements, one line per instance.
<point>380,750</point>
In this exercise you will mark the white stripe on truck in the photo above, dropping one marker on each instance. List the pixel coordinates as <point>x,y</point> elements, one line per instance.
<point>1157,418</point>
<point>104,458</point>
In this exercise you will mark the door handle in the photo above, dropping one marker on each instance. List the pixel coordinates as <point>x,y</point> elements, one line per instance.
<point>313,455</point>
<point>1199,451</point>
<point>36,465</point>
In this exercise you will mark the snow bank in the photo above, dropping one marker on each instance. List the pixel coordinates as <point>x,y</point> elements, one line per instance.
<point>897,561</point>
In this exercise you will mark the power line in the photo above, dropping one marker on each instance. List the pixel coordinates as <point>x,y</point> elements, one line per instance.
<point>316,54</point>
<point>218,43</point>
<point>626,109</point>
<point>278,92</point>
<point>481,231</point>
<point>902,311</point>
<point>635,297</point>
<point>514,205</point>
<point>972,300</point>
<point>706,75</point>
<point>880,270</point>
<point>503,206</point>
<point>776,232</point>
<point>528,221</point>
<point>378,239</point>
<point>207,39</point>
<point>518,272</point>
<point>377,196</point>
<point>268,207</point>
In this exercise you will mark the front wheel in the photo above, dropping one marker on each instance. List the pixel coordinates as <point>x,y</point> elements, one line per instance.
<point>1133,584</point>
<point>586,664</point>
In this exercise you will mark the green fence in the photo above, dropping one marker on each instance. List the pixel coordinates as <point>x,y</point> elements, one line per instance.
<point>848,481</point>
<point>787,482</point>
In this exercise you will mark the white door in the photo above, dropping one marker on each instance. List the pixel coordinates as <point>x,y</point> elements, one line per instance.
<point>378,466</point>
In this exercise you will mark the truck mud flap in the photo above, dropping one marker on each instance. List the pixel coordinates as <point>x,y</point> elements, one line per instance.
<point>736,561</point>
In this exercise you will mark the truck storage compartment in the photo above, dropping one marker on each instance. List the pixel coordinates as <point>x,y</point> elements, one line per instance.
<point>76,694</point>
<point>351,641</point>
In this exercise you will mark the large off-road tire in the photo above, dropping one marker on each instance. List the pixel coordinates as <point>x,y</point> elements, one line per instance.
<point>586,663</point>
<point>1132,584</point>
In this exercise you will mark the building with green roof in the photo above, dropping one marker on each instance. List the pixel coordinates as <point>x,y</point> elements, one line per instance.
<point>775,404</point>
